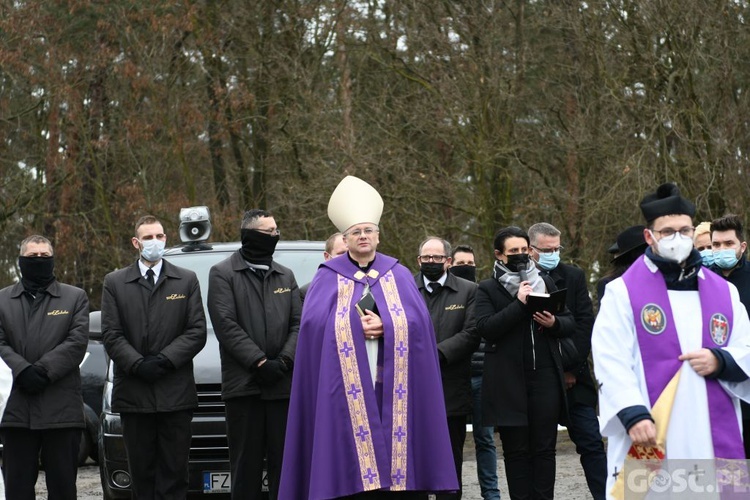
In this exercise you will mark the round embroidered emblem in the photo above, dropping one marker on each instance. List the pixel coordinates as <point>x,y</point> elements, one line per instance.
<point>653,319</point>
<point>719,328</point>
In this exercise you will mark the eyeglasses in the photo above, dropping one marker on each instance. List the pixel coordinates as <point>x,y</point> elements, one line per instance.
<point>438,259</point>
<point>272,232</point>
<point>368,231</point>
<point>548,250</point>
<point>669,233</point>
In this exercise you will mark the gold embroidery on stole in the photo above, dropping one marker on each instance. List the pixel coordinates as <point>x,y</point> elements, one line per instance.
<point>355,400</point>
<point>400,381</point>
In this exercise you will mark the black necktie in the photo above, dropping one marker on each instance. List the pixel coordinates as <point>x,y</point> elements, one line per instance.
<point>435,286</point>
<point>150,277</point>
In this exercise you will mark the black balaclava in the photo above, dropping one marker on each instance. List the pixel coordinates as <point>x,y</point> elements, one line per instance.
<point>36,272</point>
<point>257,246</point>
<point>466,272</point>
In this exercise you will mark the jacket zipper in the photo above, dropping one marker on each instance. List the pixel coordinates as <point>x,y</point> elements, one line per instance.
<point>533,345</point>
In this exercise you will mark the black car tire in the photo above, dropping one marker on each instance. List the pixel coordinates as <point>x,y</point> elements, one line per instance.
<point>89,437</point>
<point>93,430</point>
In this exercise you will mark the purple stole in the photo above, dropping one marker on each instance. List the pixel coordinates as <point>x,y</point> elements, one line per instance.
<point>660,345</point>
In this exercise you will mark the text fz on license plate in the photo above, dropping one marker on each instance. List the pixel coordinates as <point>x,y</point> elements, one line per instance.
<point>221,482</point>
<point>217,482</point>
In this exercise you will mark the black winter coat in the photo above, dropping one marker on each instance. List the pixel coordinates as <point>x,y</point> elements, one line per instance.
<point>51,333</point>
<point>138,321</point>
<point>452,313</point>
<point>579,304</point>
<point>505,321</point>
<point>254,318</point>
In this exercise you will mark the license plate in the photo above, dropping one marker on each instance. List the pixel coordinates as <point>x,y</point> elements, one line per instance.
<point>217,482</point>
<point>221,482</point>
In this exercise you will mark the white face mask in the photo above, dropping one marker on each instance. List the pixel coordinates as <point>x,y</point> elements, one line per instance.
<point>153,249</point>
<point>676,248</point>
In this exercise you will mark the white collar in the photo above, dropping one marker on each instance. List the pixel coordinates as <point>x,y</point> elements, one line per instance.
<point>157,269</point>
<point>442,280</point>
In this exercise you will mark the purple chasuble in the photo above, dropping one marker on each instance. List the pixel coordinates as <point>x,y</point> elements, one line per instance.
<point>660,344</point>
<point>344,436</point>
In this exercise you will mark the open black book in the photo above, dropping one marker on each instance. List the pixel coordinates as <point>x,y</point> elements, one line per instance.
<point>553,303</point>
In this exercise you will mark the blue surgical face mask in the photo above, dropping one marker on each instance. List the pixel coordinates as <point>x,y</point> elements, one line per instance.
<point>548,261</point>
<point>708,257</point>
<point>726,259</point>
<point>153,249</point>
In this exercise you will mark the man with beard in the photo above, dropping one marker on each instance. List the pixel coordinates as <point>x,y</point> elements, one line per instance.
<point>255,308</point>
<point>450,301</point>
<point>729,246</point>
<point>367,418</point>
<point>153,325</point>
<point>523,393</point>
<point>43,337</point>
<point>671,353</point>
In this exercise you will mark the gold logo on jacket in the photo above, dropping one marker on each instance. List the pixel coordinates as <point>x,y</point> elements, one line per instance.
<point>176,296</point>
<point>282,290</point>
<point>455,307</point>
<point>58,312</point>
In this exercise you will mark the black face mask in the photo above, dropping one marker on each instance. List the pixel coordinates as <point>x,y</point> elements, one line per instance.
<point>36,272</point>
<point>257,246</point>
<point>466,272</point>
<point>518,261</point>
<point>431,270</point>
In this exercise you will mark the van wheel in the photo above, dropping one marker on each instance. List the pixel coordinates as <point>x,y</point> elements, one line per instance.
<point>89,437</point>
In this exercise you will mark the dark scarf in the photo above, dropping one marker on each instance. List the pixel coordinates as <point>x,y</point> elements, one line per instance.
<point>36,273</point>
<point>676,276</point>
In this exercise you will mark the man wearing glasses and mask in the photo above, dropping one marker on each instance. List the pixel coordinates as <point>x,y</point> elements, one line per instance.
<point>367,417</point>
<point>671,353</point>
<point>582,424</point>
<point>450,301</point>
<point>255,308</point>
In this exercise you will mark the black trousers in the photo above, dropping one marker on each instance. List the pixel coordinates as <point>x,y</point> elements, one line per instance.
<point>158,447</point>
<point>255,427</point>
<point>457,433</point>
<point>59,452</point>
<point>529,451</point>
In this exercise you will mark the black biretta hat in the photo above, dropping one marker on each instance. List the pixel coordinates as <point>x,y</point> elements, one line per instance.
<point>628,240</point>
<point>666,201</point>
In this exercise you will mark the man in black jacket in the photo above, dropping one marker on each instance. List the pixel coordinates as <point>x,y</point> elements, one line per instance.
<point>43,337</point>
<point>255,308</point>
<point>729,247</point>
<point>153,325</point>
<point>583,426</point>
<point>523,386</point>
<point>450,301</point>
<point>464,266</point>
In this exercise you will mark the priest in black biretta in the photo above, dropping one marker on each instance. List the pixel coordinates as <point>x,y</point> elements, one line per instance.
<point>665,201</point>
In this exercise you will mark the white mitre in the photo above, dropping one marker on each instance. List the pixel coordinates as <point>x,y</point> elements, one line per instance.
<point>354,202</point>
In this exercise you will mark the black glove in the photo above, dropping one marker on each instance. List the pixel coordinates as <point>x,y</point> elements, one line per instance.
<point>270,372</point>
<point>165,363</point>
<point>33,379</point>
<point>150,369</point>
<point>443,360</point>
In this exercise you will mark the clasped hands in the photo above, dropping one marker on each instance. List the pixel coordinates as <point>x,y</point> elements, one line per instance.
<point>372,325</point>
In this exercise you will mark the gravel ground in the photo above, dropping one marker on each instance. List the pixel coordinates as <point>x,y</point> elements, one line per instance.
<point>570,483</point>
